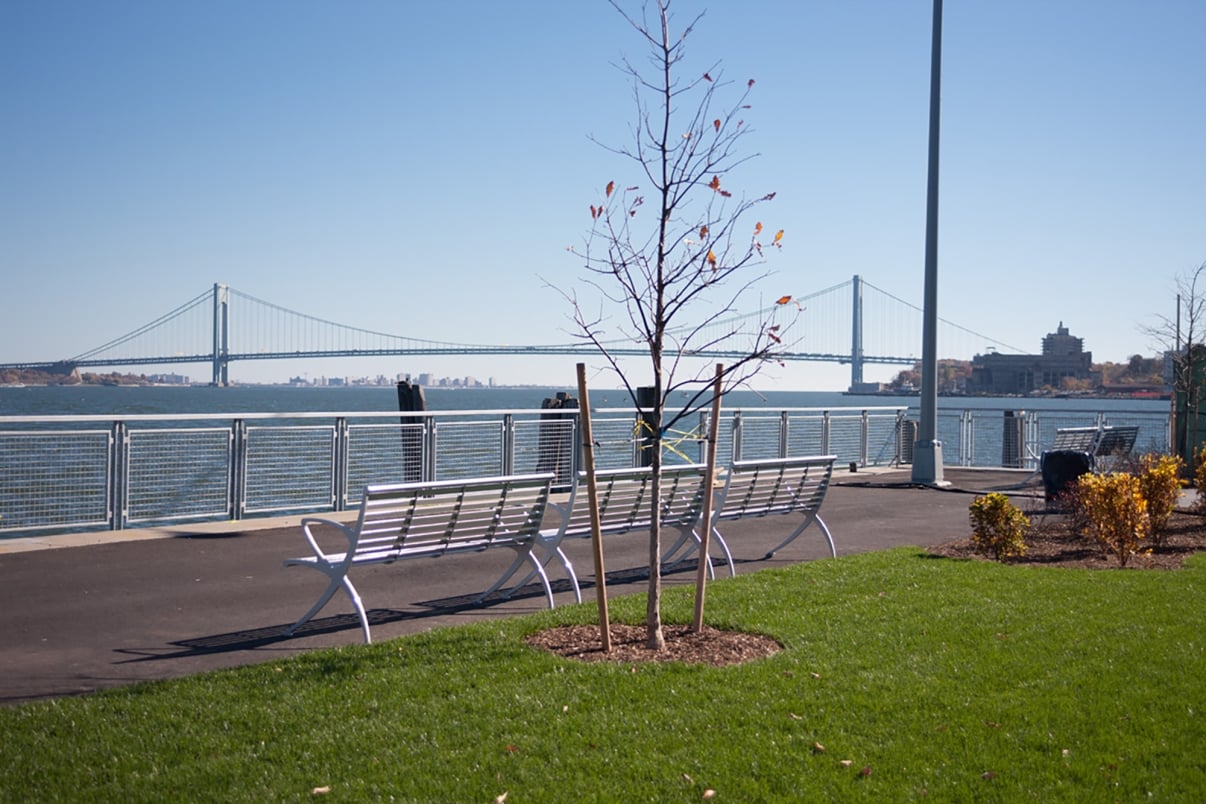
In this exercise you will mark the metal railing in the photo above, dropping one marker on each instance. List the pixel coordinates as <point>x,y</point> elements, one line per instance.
<point>1017,439</point>
<point>64,473</point>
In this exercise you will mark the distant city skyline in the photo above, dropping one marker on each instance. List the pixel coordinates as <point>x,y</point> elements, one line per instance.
<point>421,168</point>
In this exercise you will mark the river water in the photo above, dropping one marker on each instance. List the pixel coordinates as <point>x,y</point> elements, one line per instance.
<point>132,400</point>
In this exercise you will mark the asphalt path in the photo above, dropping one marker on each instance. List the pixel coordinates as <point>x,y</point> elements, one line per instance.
<point>87,612</point>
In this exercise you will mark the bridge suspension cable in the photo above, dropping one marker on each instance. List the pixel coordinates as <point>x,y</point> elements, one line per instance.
<point>223,325</point>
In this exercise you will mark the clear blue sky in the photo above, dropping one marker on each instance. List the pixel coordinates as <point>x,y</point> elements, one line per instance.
<point>418,168</point>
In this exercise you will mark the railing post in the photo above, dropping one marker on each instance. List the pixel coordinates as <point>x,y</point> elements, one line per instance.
<point>825,433</point>
<point>899,429</point>
<point>784,440</point>
<point>238,469</point>
<point>340,470</point>
<point>736,435</point>
<point>968,452</point>
<point>507,447</point>
<point>119,475</point>
<point>863,439</point>
<point>429,449</point>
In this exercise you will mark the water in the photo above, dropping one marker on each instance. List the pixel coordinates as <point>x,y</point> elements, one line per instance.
<point>132,400</point>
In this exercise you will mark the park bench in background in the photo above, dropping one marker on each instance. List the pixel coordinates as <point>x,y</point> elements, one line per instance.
<point>1079,450</point>
<point>771,487</point>
<point>625,505</point>
<point>421,520</point>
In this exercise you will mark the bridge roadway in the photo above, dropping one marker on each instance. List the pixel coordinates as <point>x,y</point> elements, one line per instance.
<point>84,612</point>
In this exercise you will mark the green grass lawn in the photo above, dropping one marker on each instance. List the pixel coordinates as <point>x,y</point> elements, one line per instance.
<point>903,677</point>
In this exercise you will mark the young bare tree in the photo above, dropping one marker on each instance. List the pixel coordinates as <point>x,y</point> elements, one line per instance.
<point>1182,338</point>
<point>671,250</point>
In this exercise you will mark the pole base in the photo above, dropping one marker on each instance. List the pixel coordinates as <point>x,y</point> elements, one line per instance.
<point>927,463</point>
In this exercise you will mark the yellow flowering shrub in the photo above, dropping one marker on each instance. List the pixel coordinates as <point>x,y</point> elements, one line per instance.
<point>1113,511</point>
<point>1160,485</point>
<point>1199,479</point>
<point>998,526</point>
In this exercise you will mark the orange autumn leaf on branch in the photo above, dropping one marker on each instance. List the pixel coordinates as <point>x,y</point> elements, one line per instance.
<point>712,259</point>
<point>757,228</point>
<point>716,124</point>
<point>778,237</point>
<point>783,300</point>
<point>703,232</point>
<point>611,185</point>
<point>714,183</point>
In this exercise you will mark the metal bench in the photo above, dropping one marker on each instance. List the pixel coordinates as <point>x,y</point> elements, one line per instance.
<point>625,497</point>
<point>773,487</point>
<point>1098,442</point>
<point>422,520</point>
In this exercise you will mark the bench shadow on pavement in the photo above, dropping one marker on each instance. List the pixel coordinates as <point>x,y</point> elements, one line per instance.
<point>253,638</point>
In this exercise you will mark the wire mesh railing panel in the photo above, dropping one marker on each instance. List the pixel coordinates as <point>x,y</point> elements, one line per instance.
<point>760,437</point>
<point>950,434</point>
<point>54,479</point>
<point>684,443</point>
<point>614,441</point>
<point>547,445</point>
<point>383,453</point>
<point>178,474</point>
<point>468,449</point>
<point>805,434</point>
<point>846,438</point>
<point>883,438</point>
<point>290,468</point>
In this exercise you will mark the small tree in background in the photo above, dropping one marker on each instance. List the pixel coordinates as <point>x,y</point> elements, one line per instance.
<point>673,250</point>
<point>1181,339</point>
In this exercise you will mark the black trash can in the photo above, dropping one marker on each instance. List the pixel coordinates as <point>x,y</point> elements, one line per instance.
<point>1061,468</point>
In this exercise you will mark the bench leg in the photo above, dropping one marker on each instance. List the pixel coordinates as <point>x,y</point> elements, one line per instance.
<point>565,563</point>
<point>528,555</point>
<point>808,521</point>
<point>519,561</point>
<point>337,582</point>
<point>691,541</point>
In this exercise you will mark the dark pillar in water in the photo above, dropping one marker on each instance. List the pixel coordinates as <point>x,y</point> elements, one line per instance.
<point>556,445</point>
<point>411,400</point>
<point>646,399</point>
<point>1013,440</point>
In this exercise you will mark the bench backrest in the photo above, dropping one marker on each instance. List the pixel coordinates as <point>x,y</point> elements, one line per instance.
<point>774,486</point>
<point>625,497</point>
<point>1096,440</point>
<point>451,515</point>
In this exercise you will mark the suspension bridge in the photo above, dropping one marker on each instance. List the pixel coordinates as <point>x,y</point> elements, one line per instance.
<point>852,323</point>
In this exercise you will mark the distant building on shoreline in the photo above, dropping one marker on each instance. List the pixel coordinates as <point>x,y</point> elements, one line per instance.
<point>1063,359</point>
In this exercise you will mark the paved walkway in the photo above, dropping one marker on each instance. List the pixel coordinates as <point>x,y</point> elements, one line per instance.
<point>89,611</point>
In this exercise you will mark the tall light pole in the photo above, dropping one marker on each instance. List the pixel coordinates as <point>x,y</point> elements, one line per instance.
<point>927,452</point>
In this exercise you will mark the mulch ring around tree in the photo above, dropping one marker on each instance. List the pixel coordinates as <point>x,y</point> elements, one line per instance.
<point>709,646</point>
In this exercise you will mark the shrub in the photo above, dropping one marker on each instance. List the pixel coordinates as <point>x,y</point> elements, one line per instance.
<point>1160,484</point>
<point>1199,479</point>
<point>998,527</point>
<point>1113,511</point>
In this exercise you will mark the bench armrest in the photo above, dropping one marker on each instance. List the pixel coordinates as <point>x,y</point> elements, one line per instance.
<point>308,522</point>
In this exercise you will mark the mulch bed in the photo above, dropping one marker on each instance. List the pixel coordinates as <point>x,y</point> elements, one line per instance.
<point>1053,542</point>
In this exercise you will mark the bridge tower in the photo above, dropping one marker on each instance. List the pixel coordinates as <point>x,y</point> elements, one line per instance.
<point>221,374</point>
<point>856,336</point>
